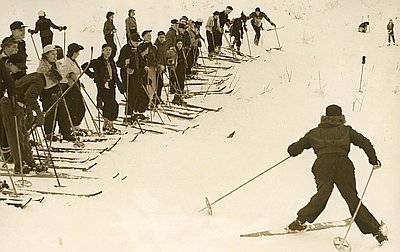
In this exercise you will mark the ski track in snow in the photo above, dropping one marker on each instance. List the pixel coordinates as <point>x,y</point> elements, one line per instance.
<point>167,176</point>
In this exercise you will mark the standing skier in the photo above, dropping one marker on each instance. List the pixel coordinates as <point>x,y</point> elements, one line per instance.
<point>43,25</point>
<point>256,21</point>
<point>172,34</point>
<point>106,78</point>
<point>178,70</point>
<point>18,34</point>
<point>237,31</point>
<point>331,143</point>
<point>161,51</point>
<point>213,30</point>
<point>108,32</point>
<point>223,20</point>
<point>130,24</point>
<point>70,71</point>
<point>390,30</point>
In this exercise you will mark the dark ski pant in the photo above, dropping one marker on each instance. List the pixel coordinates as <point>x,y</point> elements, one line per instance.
<point>337,170</point>
<point>49,96</point>
<point>211,42</point>
<point>391,37</point>
<point>75,104</point>
<point>8,119</point>
<point>109,38</point>
<point>47,40</point>
<point>160,84</point>
<point>257,30</point>
<point>177,76</point>
<point>110,105</point>
<point>190,60</point>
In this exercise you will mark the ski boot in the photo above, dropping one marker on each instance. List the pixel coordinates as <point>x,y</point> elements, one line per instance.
<point>382,235</point>
<point>297,225</point>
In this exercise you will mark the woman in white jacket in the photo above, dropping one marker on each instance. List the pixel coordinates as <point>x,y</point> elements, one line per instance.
<point>70,71</point>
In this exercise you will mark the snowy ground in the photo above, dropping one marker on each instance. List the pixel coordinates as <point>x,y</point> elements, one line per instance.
<point>278,98</point>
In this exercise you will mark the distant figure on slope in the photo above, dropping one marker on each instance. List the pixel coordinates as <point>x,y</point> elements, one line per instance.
<point>108,32</point>
<point>331,143</point>
<point>390,30</point>
<point>43,25</point>
<point>256,21</point>
<point>130,24</point>
<point>363,27</point>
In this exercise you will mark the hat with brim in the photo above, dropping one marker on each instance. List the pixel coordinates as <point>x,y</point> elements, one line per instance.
<point>74,47</point>
<point>49,48</point>
<point>18,60</point>
<point>17,25</point>
<point>145,32</point>
<point>135,37</point>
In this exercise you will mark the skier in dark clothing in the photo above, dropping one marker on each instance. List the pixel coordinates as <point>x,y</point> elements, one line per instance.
<point>106,78</point>
<point>223,20</point>
<point>177,74</point>
<point>237,31</point>
<point>161,51</point>
<point>18,34</point>
<point>256,21</point>
<point>108,32</point>
<point>331,143</point>
<point>390,30</point>
<point>172,34</point>
<point>43,25</point>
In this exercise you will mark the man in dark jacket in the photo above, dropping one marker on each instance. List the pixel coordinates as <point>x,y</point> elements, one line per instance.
<point>223,20</point>
<point>106,78</point>
<point>43,25</point>
<point>20,106</point>
<point>172,34</point>
<point>331,143</point>
<point>256,21</point>
<point>161,51</point>
<point>18,34</point>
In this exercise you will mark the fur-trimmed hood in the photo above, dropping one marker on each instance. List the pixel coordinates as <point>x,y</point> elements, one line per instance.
<point>332,121</point>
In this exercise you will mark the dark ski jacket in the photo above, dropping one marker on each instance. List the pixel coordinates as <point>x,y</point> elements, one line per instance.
<point>390,27</point>
<point>170,38</point>
<point>332,139</point>
<point>237,28</point>
<point>99,69</point>
<point>223,19</point>
<point>6,82</point>
<point>161,50</point>
<point>257,19</point>
<point>131,53</point>
<point>29,88</point>
<point>43,26</point>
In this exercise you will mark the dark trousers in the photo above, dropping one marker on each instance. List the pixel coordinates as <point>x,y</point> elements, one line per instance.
<point>160,84</point>
<point>109,38</point>
<point>177,77</point>
<point>218,38</point>
<point>49,96</point>
<point>257,30</point>
<point>110,105</point>
<point>332,170</point>
<point>11,130</point>
<point>211,42</point>
<point>47,40</point>
<point>190,60</point>
<point>391,37</point>
<point>75,104</point>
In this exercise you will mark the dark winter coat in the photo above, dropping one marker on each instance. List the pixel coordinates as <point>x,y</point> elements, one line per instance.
<point>332,139</point>
<point>223,19</point>
<point>161,50</point>
<point>99,69</point>
<point>6,82</point>
<point>43,26</point>
<point>170,38</point>
<point>390,27</point>
<point>29,88</point>
<point>131,53</point>
<point>108,27</point>
<point>237,28</point>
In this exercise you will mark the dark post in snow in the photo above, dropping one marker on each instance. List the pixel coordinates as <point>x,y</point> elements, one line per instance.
<point>362,70</point>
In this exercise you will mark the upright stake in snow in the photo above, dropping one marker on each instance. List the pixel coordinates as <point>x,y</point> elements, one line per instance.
<point>340,243</point>
<point>208,204</point>
<point>277,38</point>
<point>362,70</point>
<point>34,45</point>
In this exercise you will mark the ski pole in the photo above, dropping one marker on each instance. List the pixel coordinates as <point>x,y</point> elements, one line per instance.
<point>119,43</point>
<point>248,41</point>
<point>341,244</point>
<point>237,188</point>
<point>277,38</point>
<point>34,45</point>
<point>362,70</point>
<point>65,41</point>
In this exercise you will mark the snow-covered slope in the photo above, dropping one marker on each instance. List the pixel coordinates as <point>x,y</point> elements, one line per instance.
<point>278,98</point>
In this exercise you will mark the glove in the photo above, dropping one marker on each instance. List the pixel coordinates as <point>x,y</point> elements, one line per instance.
<point>39,120</point>
<point>292,150</point>
<point>377,165</point>
<point>64,27</point>
<point>31,31</point>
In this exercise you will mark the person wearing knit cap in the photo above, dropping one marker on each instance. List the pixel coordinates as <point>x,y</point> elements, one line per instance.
<point>70,70</point>
<point>43,25</point>
<point>331,141</point>
<point>108,31</point>
<point>256,22</point>
<point>213,32</point>
<point>130,24</point>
